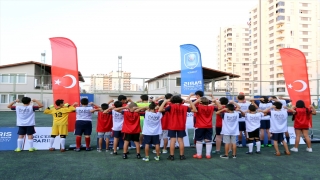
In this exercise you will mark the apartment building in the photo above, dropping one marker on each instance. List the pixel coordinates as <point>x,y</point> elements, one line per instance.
<point>233,57</point>
<point>111,81</point>
<point>276,24</point>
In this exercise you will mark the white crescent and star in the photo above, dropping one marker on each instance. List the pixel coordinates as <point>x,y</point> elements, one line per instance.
<point>304,85</point>
<point>74,81</point>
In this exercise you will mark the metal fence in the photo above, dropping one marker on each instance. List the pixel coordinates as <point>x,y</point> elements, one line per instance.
<point>102,85</point>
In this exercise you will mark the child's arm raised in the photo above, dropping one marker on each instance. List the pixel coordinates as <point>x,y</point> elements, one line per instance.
<point>221,110</point>
<point>313,110</point>
<point>161,108</point>
<point>237,105</point>
<point>193,107</point>
<point>13,102</point>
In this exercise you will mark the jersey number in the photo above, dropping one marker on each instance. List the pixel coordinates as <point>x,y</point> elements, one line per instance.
<point>59,114</point>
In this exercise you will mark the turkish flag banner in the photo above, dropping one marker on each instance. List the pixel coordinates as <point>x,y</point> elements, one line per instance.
<point>64,74</point>
<point>295,72</point>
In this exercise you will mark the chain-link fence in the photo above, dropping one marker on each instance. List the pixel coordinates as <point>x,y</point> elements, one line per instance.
<point>104,87</point>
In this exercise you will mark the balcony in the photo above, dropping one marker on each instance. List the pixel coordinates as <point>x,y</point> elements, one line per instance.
<point>280,28</point>
<point>229,30</point>
<point>279,46</point>
<point>280,20</point>
<point>229,55</point>
<point>280,36</point>
<point>229,35</point>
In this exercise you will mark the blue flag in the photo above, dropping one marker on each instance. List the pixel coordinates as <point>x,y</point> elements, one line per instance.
<point>191,69</point>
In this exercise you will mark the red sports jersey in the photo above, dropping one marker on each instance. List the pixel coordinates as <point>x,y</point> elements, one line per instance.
<point>104,122</point>
<point>165,119</point>
<point>302,119</point>
<point>204,116</point>
<point>131,122</point>
<point>218,117</point>
<point>177,116</point>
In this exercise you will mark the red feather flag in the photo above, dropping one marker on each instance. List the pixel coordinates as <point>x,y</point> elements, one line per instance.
<point>295,72</point>
<point>64,74</point>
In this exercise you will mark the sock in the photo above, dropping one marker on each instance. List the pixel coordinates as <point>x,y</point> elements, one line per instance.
<point>250,145</point>
<point>208,149</point>
<point>62,142</point>
<point>19,143</point>
<point>199,148</point>
<point>262,142</point>
<point>269,142</point>
<point>258,145</point>
<point>87,142</point>
<point>51,142</point>
<point>30,143</point>
<point>288,140</point>
<point>78,142</point>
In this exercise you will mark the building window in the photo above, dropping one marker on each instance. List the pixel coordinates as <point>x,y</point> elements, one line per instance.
<point>4,99</point>
<point>157,85</point>
<point>178,81</point>
<point>163,83</point>
<point>13,78</point>
<point>279,18</point>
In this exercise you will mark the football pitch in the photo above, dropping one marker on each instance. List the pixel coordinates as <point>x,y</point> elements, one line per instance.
<point>94,165</point>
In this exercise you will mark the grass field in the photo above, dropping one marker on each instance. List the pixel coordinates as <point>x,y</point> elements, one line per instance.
<point>93,165</point>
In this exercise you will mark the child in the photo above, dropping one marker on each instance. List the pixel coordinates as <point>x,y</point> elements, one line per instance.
<point>301,119</point>
<point>224,101</point>
<point>117,123</point>
<point>84,123</point>
<point>144,102</point>
<point>203,127</point>
<point>244,106</point>
<point>60,122</point>
<point>131,128</point>
<point>177,128</point>
<point>104,126</point>
<point>164,124</point>
<point>252,120</point>
<point>230,129</point>
<point>265,126</point>
<point>278,126</point>
<point>151,131</point>
<point>25,121</point>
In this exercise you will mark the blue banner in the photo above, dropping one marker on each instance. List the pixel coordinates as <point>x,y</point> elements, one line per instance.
<point>8,138</point>
<point>191,69</point>
<point>90,97</point>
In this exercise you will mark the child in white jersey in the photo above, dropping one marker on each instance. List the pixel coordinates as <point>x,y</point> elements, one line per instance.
<point>84,123</point>
<point>25,120</point>
<point>230,129</point>
<point>253,119</point>
<point>117,123</point>
<point>278,126</point>
<point>151,131</point>
<point>242,125</point>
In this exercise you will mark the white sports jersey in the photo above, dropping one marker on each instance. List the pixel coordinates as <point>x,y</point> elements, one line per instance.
<point>253,121</point>
<point>230,124</point>
<point>83,113</point>
<point>265,118</point>
<point>278,121</point>
<point>117,120</point>
<point>264,106</point>
<point>244,107</point>
<point>152,123</point>
<point>25,116</point>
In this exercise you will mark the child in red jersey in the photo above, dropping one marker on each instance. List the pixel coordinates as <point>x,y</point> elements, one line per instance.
<point>104,126</point>
<point>203,127</point>
<point>131,128</point>
<point>177,126</point>
<point>301,117</point>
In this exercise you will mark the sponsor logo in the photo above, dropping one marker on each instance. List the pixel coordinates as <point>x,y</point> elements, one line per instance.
<point>5,136</point>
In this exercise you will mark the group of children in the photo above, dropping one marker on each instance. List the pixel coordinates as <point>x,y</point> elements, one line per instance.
<point>148,121</point>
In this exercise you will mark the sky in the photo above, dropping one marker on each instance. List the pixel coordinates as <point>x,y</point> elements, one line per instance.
<point>147,34</point>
